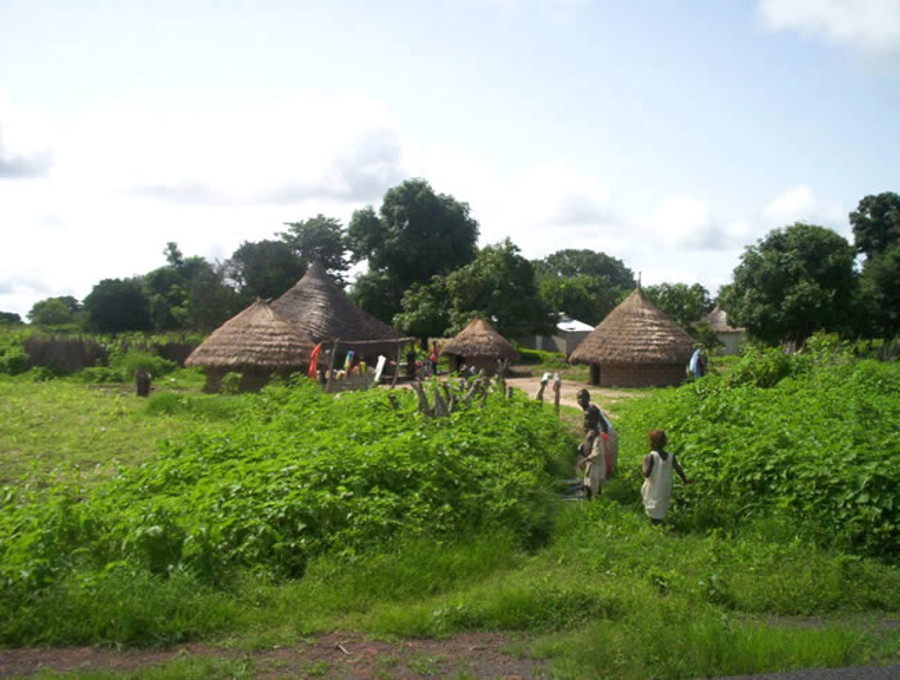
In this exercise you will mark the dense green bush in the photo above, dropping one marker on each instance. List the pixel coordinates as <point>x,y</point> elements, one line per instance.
<point>814,446</point>
<point>295,474</point>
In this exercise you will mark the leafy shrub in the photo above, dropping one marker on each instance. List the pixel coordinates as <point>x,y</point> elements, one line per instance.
<point>536,356</point>
<point>295,474</point>
<point>766,367</point>
<point>13,359</point>
<point>231,383</point>
<point>137,360</point>
<point>813,448</point>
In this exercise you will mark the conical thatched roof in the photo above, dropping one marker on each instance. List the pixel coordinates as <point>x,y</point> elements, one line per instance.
<point>718,321</point>
<point>255,337</point>
<point>635,332</point>
<point>479,339</point>
<point>320,309</point>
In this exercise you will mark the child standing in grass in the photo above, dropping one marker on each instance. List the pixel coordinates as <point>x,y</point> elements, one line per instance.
<point>657,488</point>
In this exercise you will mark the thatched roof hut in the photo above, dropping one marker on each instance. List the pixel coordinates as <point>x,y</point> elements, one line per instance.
<point>478,345</point>
<point>257,343</point>
<point>636,345</point>
<point>321,310</point>
<point>730,337</point>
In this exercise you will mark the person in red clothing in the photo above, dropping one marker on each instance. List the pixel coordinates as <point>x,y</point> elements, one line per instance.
<point>433,357</point>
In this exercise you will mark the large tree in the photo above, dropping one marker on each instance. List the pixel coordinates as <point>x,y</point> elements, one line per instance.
<point>425,310</point>
<point>10,318</point>
<point>168,288</point>
<point>116,305</point>
<point>583,284</point>
<point>876,233</point>
<point>319,238</point>
<point>500,286</point>
<point>265,269</point>
<point>684,304</point>
<point>794,282</point>
<point>415,235</point>
<point>55,311</point>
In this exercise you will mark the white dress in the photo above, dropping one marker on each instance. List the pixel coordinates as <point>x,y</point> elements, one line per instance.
<point>657,488</point>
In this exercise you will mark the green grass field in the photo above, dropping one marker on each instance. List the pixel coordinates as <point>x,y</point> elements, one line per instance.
<point>604,593</point>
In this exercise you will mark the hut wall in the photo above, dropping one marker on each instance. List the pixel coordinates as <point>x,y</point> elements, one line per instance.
<point>642,375</point>
<point>731,342</point>
<point>214,379</point>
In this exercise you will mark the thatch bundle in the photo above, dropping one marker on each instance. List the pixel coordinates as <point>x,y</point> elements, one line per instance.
<point>480,346</point>
<point>636,344</point>
<point>322,311</point>
<point>257,342</point>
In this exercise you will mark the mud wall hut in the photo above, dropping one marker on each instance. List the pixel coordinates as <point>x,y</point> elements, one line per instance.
<point>258,343</point>
<point>480,347</point>
<point>321,311</point>
<point>636,345</point>
<point>731,338</point>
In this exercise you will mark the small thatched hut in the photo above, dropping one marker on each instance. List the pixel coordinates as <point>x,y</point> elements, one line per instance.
<point>731,338</point>
<point>257,343</point>
<point>322,311</point>
<point>479,346</point>
<point>636,345</point>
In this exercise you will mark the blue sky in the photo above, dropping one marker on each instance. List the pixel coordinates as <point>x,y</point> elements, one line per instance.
<point>668,134</point>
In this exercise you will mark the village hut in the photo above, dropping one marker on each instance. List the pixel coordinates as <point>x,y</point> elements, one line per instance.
<point>731,338</point>
<point>636,345</point>
<point>318,307</point>
<point>480,347</point>
<point>257,343</point>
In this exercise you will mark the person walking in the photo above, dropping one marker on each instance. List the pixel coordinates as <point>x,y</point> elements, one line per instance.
<point>433,357</point>
<point>657,467</point>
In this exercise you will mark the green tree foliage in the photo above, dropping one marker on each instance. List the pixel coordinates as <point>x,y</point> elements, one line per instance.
<point>377,292</point>
<point>500,286</point>
<point>117,305</point>
<point>10,317</point>
<point>210,301</point>
<point>426,309</point>
<point>684,304</point>
<point>416,235</point>
<point>55,311</point>
<point>265,269</point>
<point>168,289</point>
<point>795,281</point>
<point>584,284</point>
<point>319,238</point>
<point>876,232</point>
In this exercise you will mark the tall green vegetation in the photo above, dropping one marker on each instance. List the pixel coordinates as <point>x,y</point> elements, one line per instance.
<point>876,232</point>
<point>806,438</point>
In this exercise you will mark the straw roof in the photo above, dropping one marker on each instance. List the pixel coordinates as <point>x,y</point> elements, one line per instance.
<point>320,309</point>
<point>635,332</point>
<point>255,337</point>
<point>718,321</point>
<point>479,339</point>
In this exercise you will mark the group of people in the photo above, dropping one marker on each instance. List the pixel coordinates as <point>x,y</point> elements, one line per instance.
<point>598,457</point>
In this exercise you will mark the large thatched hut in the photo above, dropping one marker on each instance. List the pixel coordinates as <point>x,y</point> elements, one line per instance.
<point>322,311</point>
<point>480,347</point>
<point>731,338</point>
<point>636,345</point>
<point>256,343</point>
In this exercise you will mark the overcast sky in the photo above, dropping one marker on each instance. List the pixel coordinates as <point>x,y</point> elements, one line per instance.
<point>670,134</point>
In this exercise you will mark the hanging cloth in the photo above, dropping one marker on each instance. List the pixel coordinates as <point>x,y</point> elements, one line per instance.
<point>314,360</point>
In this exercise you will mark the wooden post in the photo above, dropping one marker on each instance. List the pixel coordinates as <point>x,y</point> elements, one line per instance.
<point>557,388</point>
<point>330,377</point>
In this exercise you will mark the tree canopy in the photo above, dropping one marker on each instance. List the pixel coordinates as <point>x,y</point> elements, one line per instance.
<point>500,286</point>
<point>797,280</point>
<point>319,238</point>
<point>876,232</point>
<point>684,304</point>
<point>583,284</point>
<point>55,311</point>
<point>264,269</point>
<point>117,305</point>
<point>415,235</point>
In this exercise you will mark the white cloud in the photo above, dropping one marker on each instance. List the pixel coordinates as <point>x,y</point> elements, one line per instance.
<point>871,26</point>
<point>800,204</point>
<point>25,146</point>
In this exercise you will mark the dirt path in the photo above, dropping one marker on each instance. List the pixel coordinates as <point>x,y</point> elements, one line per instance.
<point>343,655</point>
<point>605,398</point>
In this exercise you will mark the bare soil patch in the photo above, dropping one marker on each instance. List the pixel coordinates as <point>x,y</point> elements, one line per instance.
<point>336,655</point>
